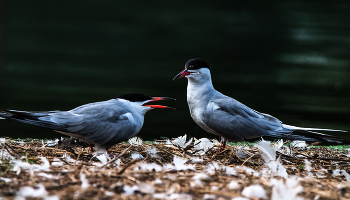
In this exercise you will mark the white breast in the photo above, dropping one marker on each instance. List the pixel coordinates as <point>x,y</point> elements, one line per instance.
<point>197,112</point>
<point>199,93</point>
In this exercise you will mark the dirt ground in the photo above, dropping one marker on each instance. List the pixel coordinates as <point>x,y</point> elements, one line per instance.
<point>160,171</point>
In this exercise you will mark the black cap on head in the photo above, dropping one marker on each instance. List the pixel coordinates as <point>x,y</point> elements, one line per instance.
<point>135,97</point>
<point>196,63</point>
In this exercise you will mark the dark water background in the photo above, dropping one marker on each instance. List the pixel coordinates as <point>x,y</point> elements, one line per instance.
<point>290,59</point>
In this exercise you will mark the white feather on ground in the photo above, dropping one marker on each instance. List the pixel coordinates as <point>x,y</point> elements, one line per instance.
<point>209,197</point>
<point>239,198</point>
<point>6,180</point>
<point>57,162</point>
<point>172,196</point>
<point>203,144</point>
<point>213,167</point>
<point>347,176</point>
<point>283,149</point>
<point>254,191</point>
<point>136,155</point>
<point>198,178</point>
<point>44,167</point>
<point>19,165</point>
<point>299,144</point>
<point>84,182</point>
<point>287,190</point>
<point>38,192</point>
<point>135,141</point>
<point>229,170</point>
<point>130,190</point>
<point>268,153</point>
<point>278,145</point>
<point>51,143</point>
<point>338,172</point>
<point>181,141</point>
<point>102,158</point>
<point>152,151</point>
<point>46,175</point>
<point>179,164</point>
<point>233,185</point>
<point>307,165</point>
<point>68,159</point>
<point>158,181</point>
<point>146,188</point>
<point>196,159</point>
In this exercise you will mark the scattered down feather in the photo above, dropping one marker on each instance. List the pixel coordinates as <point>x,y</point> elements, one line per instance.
<point>308,165</point>
<point>135,141</point>
<point>38,192</point>
<point>203,144</point>
<point>338,172</point>
<point>268,153</point>
<point>180,164</point>
<point>84,182</point>
<point>181,141</point>
<point>254,191</point>
<point>286,190</point>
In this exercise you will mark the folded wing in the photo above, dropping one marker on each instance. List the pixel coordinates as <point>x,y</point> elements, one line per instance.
<point>105,123</point>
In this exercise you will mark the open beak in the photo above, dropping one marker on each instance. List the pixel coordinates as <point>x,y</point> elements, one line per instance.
<point>159,99</point>
<point>182,74</point>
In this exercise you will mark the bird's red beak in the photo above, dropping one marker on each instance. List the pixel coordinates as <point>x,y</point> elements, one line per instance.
<point>159,99</point>
<point>182,74</point>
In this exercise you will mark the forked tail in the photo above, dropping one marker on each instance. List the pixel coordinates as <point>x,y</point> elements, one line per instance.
<point>309,134</point>
<point>32,118</point>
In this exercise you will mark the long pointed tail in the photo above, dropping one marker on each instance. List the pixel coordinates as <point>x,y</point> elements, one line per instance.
<point>309,134</point>
<point>310,129</point>
<point>32,118</point>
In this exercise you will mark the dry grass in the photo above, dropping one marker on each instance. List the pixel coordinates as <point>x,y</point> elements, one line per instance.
<point>110,180</point>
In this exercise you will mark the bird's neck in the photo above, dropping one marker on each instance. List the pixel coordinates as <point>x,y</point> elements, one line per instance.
<point>144,110</point>
<point>199,90</point>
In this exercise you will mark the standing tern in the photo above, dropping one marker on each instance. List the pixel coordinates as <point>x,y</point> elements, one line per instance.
<point>103,123</point>
<point>224,116</point>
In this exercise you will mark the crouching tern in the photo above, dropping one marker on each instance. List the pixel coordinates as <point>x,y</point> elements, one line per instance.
<point>224,116</point>
<point>103,123</point>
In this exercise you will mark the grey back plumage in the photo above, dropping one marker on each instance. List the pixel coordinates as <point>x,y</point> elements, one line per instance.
<point>235,121</point>
<point>105,123</point>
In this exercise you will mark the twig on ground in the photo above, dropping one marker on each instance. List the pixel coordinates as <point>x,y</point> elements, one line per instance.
<point>129,164</point>
<point>114,159</point>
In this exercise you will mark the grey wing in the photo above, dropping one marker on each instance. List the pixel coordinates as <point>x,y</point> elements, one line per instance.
<point>104,123</point>
<point>235,121</point>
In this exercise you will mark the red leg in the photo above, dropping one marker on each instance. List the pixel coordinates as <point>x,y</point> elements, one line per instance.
<point>223,145</point>
<point>91,147</point>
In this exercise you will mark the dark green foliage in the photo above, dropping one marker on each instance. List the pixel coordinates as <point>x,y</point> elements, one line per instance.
<point>286,58</point>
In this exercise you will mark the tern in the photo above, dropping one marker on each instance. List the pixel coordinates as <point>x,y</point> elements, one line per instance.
<point>224,116</point>
<point>103,123</point>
